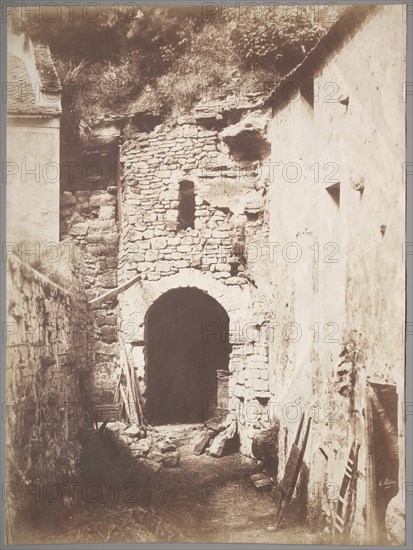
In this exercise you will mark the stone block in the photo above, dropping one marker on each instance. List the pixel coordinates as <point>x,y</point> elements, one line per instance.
<point>157,243</point>
<point>185,248</point>
<point>82,197</point>
<point>171,460</point>
<point>186,119</point>
<point>150,216</point>
<point>261,480</point>
<point>174,241</point>
<point>216,424</point>
<point>260,385</point>
<point>117,428</point>
<point>107,280</point>
<point>146,266</point>
<point>153,466</point>
<point>166,447</point>
<point>67,199</point>
<point>125,439</point>
<point>107,213</point>
<point>102,199</point>
<point>223,267</point>
<point>163,266</point>
<point>171,215</point>
<point>142,446</point>
<point>164,173</point>
<point>133,431</point>
<point>137,453</point>
<point>221,275</point>
<point>201,442</point>
<point>108,334</point>
<point>155,455</point>
<point>235,281</point>
<point>265,447</point>
<point>79,229</point>
<point>148,234</point>
<point>153,276</point>
<point>181,264</point>
<point>151,255</point>
<point>222,442</point>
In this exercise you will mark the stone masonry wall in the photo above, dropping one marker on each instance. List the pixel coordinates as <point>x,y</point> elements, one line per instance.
<point>46,358</point>
<point>229,212</point>
<point>89,219</point>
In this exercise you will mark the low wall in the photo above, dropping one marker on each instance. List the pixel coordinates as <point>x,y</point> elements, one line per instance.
<point>47,350</point>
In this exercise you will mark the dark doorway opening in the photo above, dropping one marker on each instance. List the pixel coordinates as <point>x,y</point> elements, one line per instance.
<point>187,343</point>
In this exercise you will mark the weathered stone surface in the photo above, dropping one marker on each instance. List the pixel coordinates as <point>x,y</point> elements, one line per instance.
<point>117,428</point>
<point>186,119</point>
<point>166,447</point>
<point>151,465</point>
<point>254,203</point>
<point>102,199</point>
<point>67,199</point>
<point>265,448</point>
<point>125,439</point>
<point>50,314</point>
<point>222,442</point>
<point>142,446</point>
<point>108,334</point>
<point>158,243</point>
<point>155,455</point>
<point>247,139</point>
<point>79,229</point>
<point>217,423</point>
<point>171,459</point>
<point>262,480</point>
<point>134,431</point>
<point>201,441</point>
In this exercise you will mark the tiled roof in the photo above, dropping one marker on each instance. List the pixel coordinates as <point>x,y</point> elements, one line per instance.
<point>26,97</point>
<point>50,82</point>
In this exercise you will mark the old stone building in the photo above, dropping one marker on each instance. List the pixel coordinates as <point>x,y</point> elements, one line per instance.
<point>248,257</point>
<point>277,224</point>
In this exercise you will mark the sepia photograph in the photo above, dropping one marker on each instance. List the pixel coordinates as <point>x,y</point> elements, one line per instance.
<point>205,260</point>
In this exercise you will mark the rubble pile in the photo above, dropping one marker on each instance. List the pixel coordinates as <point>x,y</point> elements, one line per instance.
<point>217,438</point>
<point>158,447</point>
<point>151,447</point>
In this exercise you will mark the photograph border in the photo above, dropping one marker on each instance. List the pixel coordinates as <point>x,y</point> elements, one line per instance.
<point>408,412</point>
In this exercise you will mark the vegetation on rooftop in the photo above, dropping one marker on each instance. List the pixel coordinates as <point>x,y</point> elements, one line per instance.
<point>167,59</point>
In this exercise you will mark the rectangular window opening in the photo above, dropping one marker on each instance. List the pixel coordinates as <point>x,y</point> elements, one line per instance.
<point>186,209</point>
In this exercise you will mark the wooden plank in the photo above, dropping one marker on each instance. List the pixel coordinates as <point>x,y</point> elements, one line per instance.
<point>125,402</point>
<point>132,380</point>
<point>292,471</point>
<point>129,392</point>
<point>117,391</point>
<point>97,302</point>
<point>138,393</point>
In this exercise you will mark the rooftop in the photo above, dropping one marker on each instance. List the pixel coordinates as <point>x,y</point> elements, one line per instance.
<point>33,87</point>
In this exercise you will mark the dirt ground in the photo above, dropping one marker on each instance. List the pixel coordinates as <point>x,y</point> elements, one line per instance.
<point>213,500</point>
<point>204,499</point>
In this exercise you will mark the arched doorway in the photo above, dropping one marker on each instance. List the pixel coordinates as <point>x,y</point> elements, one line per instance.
<point>187,343</point>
